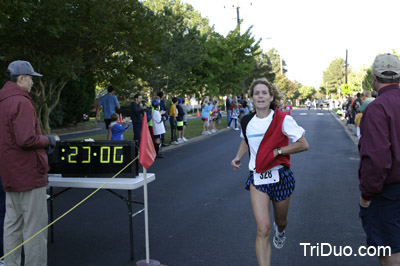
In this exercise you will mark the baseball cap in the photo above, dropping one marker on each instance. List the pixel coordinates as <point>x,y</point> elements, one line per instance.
<point>386,62</point>
<point>155,102</point>
<point>179,100</point>
<point>19,67</point>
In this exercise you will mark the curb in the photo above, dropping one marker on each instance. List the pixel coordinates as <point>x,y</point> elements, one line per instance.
<point>349,128</point>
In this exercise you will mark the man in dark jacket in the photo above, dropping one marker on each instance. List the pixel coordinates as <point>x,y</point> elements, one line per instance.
<point>164,116</point>
<point>137,112</point>
<point>379,170</point>
<point>23,167</point>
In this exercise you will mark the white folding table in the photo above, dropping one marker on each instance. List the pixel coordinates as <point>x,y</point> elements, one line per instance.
<point>128,184</point>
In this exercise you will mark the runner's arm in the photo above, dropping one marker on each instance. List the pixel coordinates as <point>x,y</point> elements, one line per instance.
<point>243,149</point>
<point>296,147</point>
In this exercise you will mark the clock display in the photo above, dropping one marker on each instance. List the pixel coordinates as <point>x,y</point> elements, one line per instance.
<point>94,159</point>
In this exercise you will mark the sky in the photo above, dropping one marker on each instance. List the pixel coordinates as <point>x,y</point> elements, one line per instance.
<point>310,34</point>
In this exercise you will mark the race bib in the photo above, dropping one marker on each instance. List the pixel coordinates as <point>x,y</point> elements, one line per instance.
<point>270,176</point>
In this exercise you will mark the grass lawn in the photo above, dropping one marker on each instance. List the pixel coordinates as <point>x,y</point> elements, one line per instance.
<point>193,129</point>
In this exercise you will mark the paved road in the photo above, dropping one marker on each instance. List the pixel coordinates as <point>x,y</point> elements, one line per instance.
<point>200,213</point>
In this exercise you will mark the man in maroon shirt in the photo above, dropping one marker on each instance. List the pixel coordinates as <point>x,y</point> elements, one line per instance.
<point>23,168</point>
<point>379,170</point>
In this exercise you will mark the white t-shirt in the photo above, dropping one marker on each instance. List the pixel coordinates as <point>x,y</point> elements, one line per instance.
<point>158,125</point>
<point>257,127</point>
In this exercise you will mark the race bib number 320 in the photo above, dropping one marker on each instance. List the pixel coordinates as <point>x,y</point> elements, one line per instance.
<point>268,177</point>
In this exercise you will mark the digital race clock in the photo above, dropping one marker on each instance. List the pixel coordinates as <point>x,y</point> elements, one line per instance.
<point>94,159</point>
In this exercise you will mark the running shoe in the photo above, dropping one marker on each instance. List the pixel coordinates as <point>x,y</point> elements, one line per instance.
<point>279,238</point>
<point>185,139</point>
<point>237,128</point>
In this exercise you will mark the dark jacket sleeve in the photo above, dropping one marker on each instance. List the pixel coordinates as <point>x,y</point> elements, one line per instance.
<point>375,151</point>
<point>26,129</point>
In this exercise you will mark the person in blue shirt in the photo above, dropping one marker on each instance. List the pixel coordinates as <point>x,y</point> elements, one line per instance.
<point>109,103</point>
<point>116,130</point>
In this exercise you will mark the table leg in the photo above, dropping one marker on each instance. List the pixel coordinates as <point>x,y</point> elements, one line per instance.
<point>51,215</point>
<point>130,223</point>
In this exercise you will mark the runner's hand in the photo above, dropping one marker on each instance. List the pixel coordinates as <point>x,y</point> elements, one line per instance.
<point>236,164</point>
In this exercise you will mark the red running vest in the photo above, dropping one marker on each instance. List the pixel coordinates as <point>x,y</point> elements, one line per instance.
<point>273,138</point>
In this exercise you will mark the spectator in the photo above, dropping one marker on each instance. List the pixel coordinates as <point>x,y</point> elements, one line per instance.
<point>235,115</point>
<point>137,111</point>
<point>214,116</point>
<point>367,100</point>
<point>245,106</point>
<point>357,121</point>
<point>23,167</point>
<point>379,168</point>
<point>228,107</point>
<point>179,121</point>
<point>115,129</point>
<point>186,108</point>
<point>250,105</point>
<point>173,113</point>
<point>109,102</point>
<point>164,115</point>
<point>205,115</point>
<point>158,126</point>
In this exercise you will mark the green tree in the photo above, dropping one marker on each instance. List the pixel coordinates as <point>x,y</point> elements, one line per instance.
<point>66,39</point>
<point>289,88</point>
<point>275,58</point>
<point>229,61</point>
<point>263,69</point>
<point>77,98</point>
<point>183,36</point>
<point>367,81</point>
<point>306,92</point>
<point>334,76</point>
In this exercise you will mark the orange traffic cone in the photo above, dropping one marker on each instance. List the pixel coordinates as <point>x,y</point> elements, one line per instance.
<point>120,118</point>
<point>198,114</point>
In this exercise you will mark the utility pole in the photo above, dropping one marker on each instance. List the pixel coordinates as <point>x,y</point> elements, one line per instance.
<point>237,14</point>
<point>345,81</point>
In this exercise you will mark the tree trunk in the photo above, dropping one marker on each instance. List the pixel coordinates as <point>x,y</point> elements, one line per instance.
<point>46,100</point>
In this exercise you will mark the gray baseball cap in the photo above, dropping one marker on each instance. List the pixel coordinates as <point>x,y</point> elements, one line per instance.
<point>386,62</point>
<point>19,67</point>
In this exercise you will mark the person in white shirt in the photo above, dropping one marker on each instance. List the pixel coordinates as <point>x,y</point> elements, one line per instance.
<point>270,135</point>
<point>158,125</point>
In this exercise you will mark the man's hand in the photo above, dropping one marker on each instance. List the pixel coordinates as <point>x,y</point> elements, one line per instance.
<point>364,203</point>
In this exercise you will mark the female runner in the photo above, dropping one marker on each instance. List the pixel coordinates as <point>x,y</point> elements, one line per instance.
<point>269,135</point>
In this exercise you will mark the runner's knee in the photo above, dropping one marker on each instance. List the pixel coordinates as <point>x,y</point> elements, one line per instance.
<point>264,230</point>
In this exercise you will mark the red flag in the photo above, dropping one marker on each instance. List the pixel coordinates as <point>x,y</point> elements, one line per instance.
<point>147,153</point>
